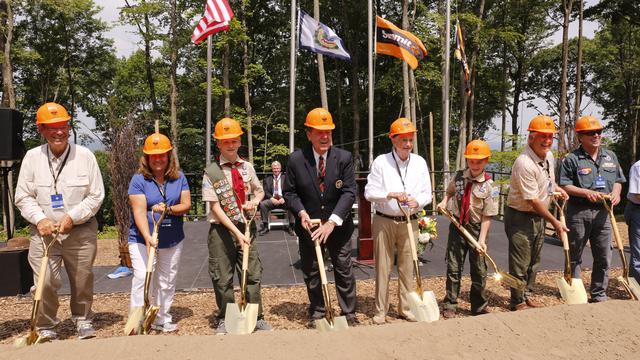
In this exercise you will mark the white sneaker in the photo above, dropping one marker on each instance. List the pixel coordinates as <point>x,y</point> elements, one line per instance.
<point>167,327</point>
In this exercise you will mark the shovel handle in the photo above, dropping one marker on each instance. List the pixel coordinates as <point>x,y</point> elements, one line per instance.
<point>465,233</point>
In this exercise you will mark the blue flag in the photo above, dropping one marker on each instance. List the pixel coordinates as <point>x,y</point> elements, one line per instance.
<point>319,38</point>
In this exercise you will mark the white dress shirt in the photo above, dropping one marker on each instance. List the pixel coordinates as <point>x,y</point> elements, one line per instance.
<point>385,177</point>
<point>634,183</point>
<point>335,218</point>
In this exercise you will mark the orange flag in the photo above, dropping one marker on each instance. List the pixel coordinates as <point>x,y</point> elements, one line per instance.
<point>393,41</point>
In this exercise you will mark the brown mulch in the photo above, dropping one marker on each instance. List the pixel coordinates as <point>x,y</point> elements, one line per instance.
<point>285,307</point>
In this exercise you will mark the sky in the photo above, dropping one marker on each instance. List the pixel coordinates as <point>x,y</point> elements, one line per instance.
<point>126,41</point>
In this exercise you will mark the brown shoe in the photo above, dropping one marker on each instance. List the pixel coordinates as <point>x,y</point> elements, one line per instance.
<point>449,313</point>
<point>485,310</point>
<point>533,304</point>
<point>516,307</point>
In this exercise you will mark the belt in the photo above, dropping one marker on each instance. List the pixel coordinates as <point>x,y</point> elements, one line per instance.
<point>397,218</point>
<point>530,213</point>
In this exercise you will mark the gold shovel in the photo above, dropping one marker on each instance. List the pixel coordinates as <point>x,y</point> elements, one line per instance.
<point>571,289</point>
<point>329,322</point>
<point>33,337</point>
<point>241,319</point>
<point>141,317</point>
<point>629,283</point>
<point>504,277</point>
<point>423,304</point>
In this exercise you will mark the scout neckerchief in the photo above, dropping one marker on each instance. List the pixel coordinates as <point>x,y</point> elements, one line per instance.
<point>463,194</point>
<point>224,191</point>
<point>237,181</point>
<point>60,167</point>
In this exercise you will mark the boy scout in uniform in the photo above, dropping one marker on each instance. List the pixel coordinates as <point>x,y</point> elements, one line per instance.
<point>475,203</point>
<point>585,174</point>
<point>227,184</point>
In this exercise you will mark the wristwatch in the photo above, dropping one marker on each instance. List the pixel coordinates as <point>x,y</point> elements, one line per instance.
<point>333,222</point>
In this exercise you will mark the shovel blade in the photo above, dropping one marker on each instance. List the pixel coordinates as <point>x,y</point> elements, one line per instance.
<point>573,293</point>
<point>241,322</point>
<point>512,281</point>
<point>634,287</point>
<point>149,317</point>
<point>134,323</point>
<point>339,323</point>
<point>425,309</point>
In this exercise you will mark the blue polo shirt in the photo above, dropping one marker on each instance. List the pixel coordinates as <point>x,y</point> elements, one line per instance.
<point>171,231</point>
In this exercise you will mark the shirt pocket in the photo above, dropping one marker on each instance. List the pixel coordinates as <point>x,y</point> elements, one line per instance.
<point>76,189</point>
<point>43,191</point>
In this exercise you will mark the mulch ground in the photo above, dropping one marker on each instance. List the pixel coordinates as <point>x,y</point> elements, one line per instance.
<point>285,307</point>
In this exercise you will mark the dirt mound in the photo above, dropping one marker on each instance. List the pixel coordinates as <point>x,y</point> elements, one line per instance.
<point>592,331</point>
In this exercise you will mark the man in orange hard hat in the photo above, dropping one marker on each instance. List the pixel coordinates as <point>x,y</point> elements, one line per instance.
<point>59,192</point>
<point>230,185</point>
<point>397,176</point>
<point>586,174</point>
<point>531,186</point>
<point>475,202</point>
<point>321,184</point>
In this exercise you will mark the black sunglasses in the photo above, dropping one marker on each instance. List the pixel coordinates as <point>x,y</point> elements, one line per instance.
<point>591,133</point>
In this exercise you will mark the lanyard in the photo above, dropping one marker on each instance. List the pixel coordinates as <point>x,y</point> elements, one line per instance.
<point>162,189</point>
<point>60,167</point>
<point>404,187</point>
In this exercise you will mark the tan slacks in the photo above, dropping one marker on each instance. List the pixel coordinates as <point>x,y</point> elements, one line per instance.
<point>77,252</point>
<point>389,237</point>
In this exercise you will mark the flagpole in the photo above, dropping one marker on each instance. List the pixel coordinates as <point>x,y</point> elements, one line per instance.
<point>292,75</point>
<point>321,77</point>
<point>208,139</point>
<point>445,96</point>
<point>370,61</point>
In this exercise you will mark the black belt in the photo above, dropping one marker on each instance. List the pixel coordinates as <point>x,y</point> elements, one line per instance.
<point>397,218</point>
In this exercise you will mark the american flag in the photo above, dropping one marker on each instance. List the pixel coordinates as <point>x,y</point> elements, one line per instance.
<point>217,14</point>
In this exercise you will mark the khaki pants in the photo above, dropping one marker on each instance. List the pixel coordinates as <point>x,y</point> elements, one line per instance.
<point>390,236</point>
<point>77,252</point>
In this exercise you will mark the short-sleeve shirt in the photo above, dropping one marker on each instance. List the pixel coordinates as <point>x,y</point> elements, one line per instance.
<point>252,185</point>
<point>634,183</point>
<point>171,231</point>
<point>484,196</point>
<point>581,170</point>
<point>531,178</point>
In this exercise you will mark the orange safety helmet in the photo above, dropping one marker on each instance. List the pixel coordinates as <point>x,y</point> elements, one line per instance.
<point>51,113</point>
<point>156,143</point>
<point>401,126</point>
<point>477,149</point>
<point>542,124</point>
<point>320,119</point>
<point>588,123</point>
<point>227,128</point>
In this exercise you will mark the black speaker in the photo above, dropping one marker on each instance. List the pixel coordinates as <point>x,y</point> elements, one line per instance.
<point>16,276</point>
<point>11,145</point>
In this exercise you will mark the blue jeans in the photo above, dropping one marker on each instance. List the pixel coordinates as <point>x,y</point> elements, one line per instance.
<point>632,217</point>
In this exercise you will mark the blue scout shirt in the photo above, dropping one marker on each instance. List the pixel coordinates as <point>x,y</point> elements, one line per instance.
<point>171,231</point>
<point>580,170</point>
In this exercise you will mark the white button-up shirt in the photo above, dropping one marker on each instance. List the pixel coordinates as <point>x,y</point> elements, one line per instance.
<point>386,177</point>
<point>79,183</point>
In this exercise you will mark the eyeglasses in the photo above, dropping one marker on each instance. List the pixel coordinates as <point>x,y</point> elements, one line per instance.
<point>592,133</point>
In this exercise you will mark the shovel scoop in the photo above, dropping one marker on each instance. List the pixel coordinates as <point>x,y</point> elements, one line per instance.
<point>423,304</point>
<point>241,318</point>
<point>571,289</point>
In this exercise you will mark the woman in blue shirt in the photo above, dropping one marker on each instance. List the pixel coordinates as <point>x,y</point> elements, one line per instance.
<point>158,184</point>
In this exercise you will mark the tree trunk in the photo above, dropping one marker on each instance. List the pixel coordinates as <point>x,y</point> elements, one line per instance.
<point>8,93</point>
<point>72,92</point>
<point>405,68</point>
<point>517,93</point>
<point>462,136</point>
<point>174,81</point>
<point>578,100</point>
<point>339,109</point>
<point>321,77</point>
<point>245,77</point>
<point>474,73</point>
<point>562,144</point>
<point>503,96</point>
<point>225,81</point>
<point>355,90</point>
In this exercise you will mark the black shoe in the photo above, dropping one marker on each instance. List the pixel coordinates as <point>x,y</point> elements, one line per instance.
<point>264,230</point>
<point>291,232</point>
<point>352,320</point>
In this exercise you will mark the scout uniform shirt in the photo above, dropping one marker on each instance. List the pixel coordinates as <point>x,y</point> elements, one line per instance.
<point>484,196</point>
<point>579,169</point>
<point>252,186</point>
<point>531,178</point>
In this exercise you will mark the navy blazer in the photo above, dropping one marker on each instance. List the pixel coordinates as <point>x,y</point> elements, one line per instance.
<point>302,191</point>
<point>267,185</point>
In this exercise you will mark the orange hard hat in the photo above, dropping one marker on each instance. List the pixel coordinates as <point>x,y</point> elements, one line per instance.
<point>156,143</point>
<point>542,124</point>
<point>477,149</point>
<point>227,128</point>
<point>588,123</point>
<point>51,113</point>
<point>320,119</point>
<point>401,126</point>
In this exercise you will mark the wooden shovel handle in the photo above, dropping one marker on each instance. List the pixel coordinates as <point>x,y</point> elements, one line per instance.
<point>467,235</point>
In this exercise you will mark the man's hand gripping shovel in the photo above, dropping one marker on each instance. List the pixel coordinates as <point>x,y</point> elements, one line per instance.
<point>241,319</point>
<point>630,284</point>
<point>423,304</point>
<point>571,289</point>
<point>502,276</point>
<point>330,322</point>
<point>141,317</point>
<point>33,337</point>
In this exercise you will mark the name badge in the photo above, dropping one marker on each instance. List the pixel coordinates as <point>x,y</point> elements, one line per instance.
<point>56,202</point>
<point>166,222</point>
<point>600,183</point>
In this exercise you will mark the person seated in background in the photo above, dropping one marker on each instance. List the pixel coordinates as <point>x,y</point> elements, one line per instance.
<point>273,199</point>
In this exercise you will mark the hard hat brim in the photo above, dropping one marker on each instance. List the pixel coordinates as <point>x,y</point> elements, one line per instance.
<point>157,151</point>
<point>321,127</point>
<point>227,136</point>
<point>54,120</point>
<point>477,157</point>
<point>391,135</point>
<point>545,131</point>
